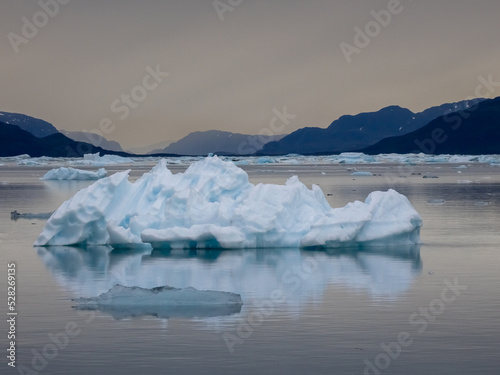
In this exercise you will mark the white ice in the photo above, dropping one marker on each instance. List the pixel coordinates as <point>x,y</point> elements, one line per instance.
<point>213,205</point>
<point>63,173</point>
<point>344,158</point>
<point>99,161</point>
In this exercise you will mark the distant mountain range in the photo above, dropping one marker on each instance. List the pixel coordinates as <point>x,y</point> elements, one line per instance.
<point>16,141</point>
<point>39,128</point>
<point>355,132</point>
<point>94,139</point>
<point>474,131</point>
<point>150,149</point>
<point>467,127</point>
<point>219,142</point>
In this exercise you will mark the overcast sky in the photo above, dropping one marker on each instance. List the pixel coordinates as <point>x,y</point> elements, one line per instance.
<point>229,68</point>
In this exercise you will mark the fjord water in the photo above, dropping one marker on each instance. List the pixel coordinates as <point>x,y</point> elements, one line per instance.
<point>335,312</point>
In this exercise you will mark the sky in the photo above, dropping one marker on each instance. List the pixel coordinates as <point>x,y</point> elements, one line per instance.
<point>142,72</point>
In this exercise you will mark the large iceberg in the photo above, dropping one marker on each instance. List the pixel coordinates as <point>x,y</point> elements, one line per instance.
<point>213,205</point>
<point>64,173</point>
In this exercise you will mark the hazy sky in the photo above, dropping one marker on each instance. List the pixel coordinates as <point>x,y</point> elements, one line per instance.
<point>230,67</point>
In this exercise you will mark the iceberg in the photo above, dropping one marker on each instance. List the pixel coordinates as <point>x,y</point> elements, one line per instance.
<point>362,174</point>
<point>73,174</point>
<point>163,302</point>
<point>213,205</point>
<point>97,161</point>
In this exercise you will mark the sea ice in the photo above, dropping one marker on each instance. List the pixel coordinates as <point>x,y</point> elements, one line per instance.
<point>73,174</point>
<point>213,205</point>
<point>164,302</point>
<point>125,296</point>
<point>266,160</point>
<point>99,161</point>
<point>362,174</point>
<point>437,201</point>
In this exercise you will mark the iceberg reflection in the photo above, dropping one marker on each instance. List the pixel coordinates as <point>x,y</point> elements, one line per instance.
<point>301,276</point>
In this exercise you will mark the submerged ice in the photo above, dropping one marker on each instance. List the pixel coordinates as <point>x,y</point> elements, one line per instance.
<point>213,205</point>
<point>164,302</point>
<point>123,296</point>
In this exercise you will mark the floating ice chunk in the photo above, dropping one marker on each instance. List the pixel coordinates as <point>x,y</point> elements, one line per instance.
<point>464,181</point>
<point>482,203</point>
<point>73,174</point>
<point>463,166</point>
<point>97,161</point>
<point>121,301</point>
<point>362,174</point>
<point>355,158</point>
<point>241,162</point>
<point>266,160</point>
<point>124,296</point>
<point>213,205</point>
<point>290,161</point>
<point>436,201</point>
<point>35,162</point>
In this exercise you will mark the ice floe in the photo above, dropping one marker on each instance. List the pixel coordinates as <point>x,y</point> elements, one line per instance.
<point>163,302</point>
<point>99,161</point>
<point>64,173</point>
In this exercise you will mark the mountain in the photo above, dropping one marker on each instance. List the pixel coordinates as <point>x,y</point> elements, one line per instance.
<point>94,139</point>
<point>16,141</point>
<point>219,142</point>
<point>472,132</point>
<point>350,133</point>
<point>150,149</point>
<point>35,126</point>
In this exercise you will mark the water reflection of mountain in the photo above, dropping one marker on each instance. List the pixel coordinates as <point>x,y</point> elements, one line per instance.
<point>382,273</point>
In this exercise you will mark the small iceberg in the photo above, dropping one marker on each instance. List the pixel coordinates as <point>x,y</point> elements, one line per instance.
<point>436,201</point>
<point>362,174</point>
<point>97,160</point>
<point>163,302</point>
<point>213,205</point>
<point>67,174</point>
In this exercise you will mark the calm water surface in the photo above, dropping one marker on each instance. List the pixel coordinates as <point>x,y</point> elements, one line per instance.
<point>304,312</point>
